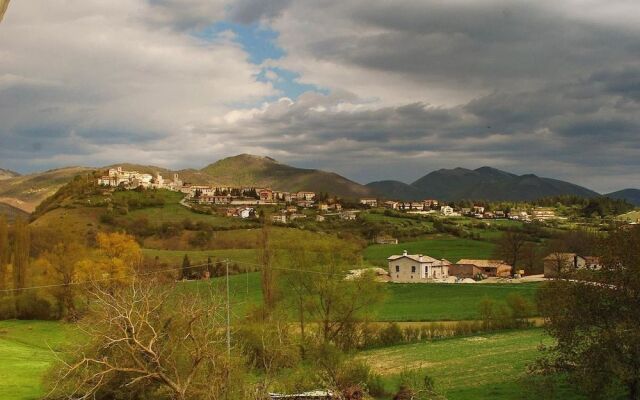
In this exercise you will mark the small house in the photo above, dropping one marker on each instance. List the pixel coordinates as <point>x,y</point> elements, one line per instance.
<point>446,210</point>
<point>408,268</point>
<point>279,218</point>
<point>369,202</point>
<point>557,263</point>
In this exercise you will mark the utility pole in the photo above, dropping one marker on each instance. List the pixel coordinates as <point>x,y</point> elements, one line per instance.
<point>226,393</point>
<point>228,312</point>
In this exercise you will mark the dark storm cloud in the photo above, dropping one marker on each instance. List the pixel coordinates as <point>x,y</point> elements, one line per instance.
<point>584,124</point>
<point>249,11</point>
<point>548,87</point>
<point>484,44</point>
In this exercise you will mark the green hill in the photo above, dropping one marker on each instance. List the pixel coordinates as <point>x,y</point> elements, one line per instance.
<point>630,195</point>
<point>250,170</point>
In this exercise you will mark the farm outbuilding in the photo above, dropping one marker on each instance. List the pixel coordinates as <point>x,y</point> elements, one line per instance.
<point>490,268</point>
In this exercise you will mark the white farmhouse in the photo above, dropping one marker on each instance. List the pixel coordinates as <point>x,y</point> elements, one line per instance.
<point>446,210</point>
<point>407,268</point>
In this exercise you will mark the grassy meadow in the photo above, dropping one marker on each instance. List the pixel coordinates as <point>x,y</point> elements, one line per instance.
<point>26,352</point>
<point>437,246</point>
<point>488,366</point>
<point>475,367</point>
<point>442,302</point>
<point>403,302</point>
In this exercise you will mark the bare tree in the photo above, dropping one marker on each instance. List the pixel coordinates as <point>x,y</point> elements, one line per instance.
<point>510,247</point>
<point>145,338</point>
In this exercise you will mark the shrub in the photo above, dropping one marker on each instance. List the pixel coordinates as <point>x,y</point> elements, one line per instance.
<point>391,334</point>
<point>30,306</point>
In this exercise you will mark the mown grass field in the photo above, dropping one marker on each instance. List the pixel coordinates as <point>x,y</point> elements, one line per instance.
<point>175,257</point>
<point>439,246</point>
<point>488,366</point>
<point>440,302</point>
<point>404,302</point>
<point>25,355</point>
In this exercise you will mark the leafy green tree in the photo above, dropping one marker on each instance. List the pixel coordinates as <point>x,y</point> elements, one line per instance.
<point>595,323</point>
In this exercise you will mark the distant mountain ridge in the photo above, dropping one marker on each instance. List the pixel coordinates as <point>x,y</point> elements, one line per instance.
<point>484,183</point>
<point>25,192</point>
<point>7,174</point>
<point>630,195</point>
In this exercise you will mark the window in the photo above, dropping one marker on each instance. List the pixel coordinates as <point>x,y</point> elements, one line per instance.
<point>413,269</point>
<point>397,268</point>
<point>426,269</point>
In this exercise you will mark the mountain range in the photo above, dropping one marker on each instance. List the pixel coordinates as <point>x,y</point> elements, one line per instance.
<point>25,192</point>
<point>482,183</point>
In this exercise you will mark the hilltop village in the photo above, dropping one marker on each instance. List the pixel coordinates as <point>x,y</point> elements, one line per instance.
<point>245,203</point>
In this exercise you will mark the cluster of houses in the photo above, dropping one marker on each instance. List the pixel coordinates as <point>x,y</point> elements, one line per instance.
<point>432,206</point>
<point>325,211</point>
<point>225,195</point>
<point>415,268</point>
<point>555,264</point>
<point>412,268</point>
<point>117,177</point>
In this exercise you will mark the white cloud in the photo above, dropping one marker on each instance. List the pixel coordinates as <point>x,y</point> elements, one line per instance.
<point>105,71</point>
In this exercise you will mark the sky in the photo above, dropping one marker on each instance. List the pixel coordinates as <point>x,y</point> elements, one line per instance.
<point>370,89</point>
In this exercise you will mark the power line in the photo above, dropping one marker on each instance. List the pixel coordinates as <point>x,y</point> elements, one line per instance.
<point>79,283</point>
<point>227,261</point>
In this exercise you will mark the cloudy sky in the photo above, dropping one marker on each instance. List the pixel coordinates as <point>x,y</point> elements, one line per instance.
<point>370,89</point>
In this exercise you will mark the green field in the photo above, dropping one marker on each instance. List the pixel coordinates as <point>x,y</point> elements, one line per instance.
<point>404,302</point>
<point>244,291</point>
<point>173,211</point>
<point>439,246</point>
<point>25,355</point>
<point>174,257</point>
<point>440,301</point>
<point>477,367</point>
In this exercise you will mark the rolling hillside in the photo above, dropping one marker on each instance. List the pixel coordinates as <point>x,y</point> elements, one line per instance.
<point>483,183</point>
<point>25,192</point>
<point>249,170</point>
<point>12,212</point>
<point>7,174</point>
<point>630,195</point>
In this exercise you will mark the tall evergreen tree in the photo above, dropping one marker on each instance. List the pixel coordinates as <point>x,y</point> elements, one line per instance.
<point>268,281</point>
<point>186,267</point>
<point>5,252</point>
<point>210,267</point>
